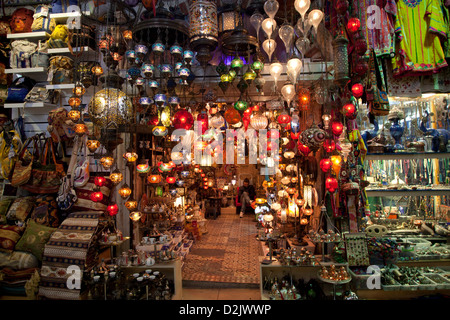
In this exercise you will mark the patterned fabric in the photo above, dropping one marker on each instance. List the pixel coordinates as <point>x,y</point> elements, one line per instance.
<point>9,235</point>
<point>20,209</point>
<point>71,244</point>
<point>84,203</point>
<point>18,260</point>
<point>380,37</point>
<point>402,87</point>
<point>46,211</point>
<point>34,238</point>
<point>419,26</point>
<point>4,206</point>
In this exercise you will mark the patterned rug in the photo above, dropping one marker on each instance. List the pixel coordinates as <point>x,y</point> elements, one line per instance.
<point>227,255</point>
<point>70,245</point>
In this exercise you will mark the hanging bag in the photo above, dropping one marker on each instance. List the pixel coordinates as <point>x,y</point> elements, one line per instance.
<point>19,89</point>
<point>24,164</point>
<point>42,20</point>
<point>376,93</point>
<point>45,177</point>
<point>60,70</point>
<point>40,58</point>
<point>67,195</point>
<point>10,146</point>
<point>81,170</point>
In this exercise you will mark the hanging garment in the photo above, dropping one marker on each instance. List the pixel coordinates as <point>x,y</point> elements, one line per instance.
<point>377,25</point>
<point>419,27</point>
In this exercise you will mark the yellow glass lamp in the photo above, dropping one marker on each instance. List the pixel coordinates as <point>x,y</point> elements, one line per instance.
<point>93,145</point>
<point>124,191</point>
<point>260,201</point>
<point>116,177</point>
<point>130,156</point>
<point>107,162</point>
<point>293,209</point>
<point>127,34</point>
<point>74,101</point>
<point>81,129</point>
<point>303,221</point>
<point>131,204</point>
<point>336,164</point>
<point>74,115</point>
<point>135,215</point>
<point>79,89</point>
<point>97,70</point>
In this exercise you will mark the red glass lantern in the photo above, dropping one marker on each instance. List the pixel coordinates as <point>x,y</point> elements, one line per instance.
<point>96,196</point>
<point>304,149</point>
<point>361,67</point>
<point>349,111</point>
<point>353,24</point>
<point>100,181</point>
<point>329,145</point>
<point>341,7</point>
<point>112,209</point>
<point>325,165</point>
<point>203,119</point>
<point>273,134</point>
<point>171,180</point>
<point>182,119</point>
<point>337,127</point>
<point>295,136</point>
<point>153,120</point>
<point>331,184</point>
<point>283,119</point>
<point>357,90</point>
<point>361,46</point>
<point>232,116</point>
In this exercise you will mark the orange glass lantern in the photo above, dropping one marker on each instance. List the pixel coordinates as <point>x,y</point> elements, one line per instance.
<point>232,116</point>
<point>107,162</point>
<point>131,204</point>
<point>81,129</point>
<point>116,177</point>
<point>125,191</point>
<point>74,101</point>
<point>130,156</point>
<point>127,34</point>
<point>303,221</point>
<point>300,202</point>
<point>154,178</point>
<point>74,115</point>
<point>97,70</point>
<point>79,89</point>
<point>93,145</point>
<point>336,167</point>
<point>171,180</point>
<point>308,211</point>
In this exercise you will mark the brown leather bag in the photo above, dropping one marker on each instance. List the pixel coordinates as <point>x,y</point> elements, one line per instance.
<point>24,164</point>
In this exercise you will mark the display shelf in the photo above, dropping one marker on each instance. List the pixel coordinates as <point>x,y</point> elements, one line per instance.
<point>407,155</point>
<point>29,105</point>
<point>412,193</point>
<point>172,270</point>
<point>66,50</point>
<point>37,35</point>
<point>60,86</point>
<point>24,70</point>
<point>62,17</point>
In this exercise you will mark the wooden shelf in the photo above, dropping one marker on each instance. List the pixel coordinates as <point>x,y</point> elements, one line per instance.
<point>414,193</point>
<point>24,70</point>
<point>60,86</point>
<point>29,105</point>
<point>407,155</point>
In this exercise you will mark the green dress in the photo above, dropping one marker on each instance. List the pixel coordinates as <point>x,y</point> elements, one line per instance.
<point>419,27</point>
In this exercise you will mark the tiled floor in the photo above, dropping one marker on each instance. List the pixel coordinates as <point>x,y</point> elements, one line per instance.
<point>228,253</point>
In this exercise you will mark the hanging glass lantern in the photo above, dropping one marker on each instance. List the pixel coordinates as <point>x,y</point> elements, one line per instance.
<point>143,167</point>
<point>188,55</point>
<point>124,191</point>
<point>96,195</point>
<point>74,115</point>
<point>258,121</point>
<point>131,204</point>
<point>110,106</point>
<point>92,145</point>
<point>127,34</point>
<point>116,177</point>
<point>160,131</point>
<point>257,66</point>
<point>158,47</point>
<point>107,162</point>
<point>241,105</point>
<point>203,29</point>
<point>147,70</point>
<point>237,64</point>
<point>176,51</point>
<point>74,101</point>
<point>331,184</point>
<point>154,178</point>
<point>228,21</point>
<point>135,215</point>
<point>294,67</point>
<point>100,181</point>
<point>182,119</point>
<point>325,165</point>
<point>340,51</point>
<point>269,47</point>
<point>130,156</point>
<point>81,129</point>
<point>288,92</point>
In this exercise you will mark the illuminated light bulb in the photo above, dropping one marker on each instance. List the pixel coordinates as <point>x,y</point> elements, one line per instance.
<point>269,25</point>
<point>99,181</point>
<point>124,191</point>
<point>286,34</point>
<point>171,180</point>
<point>336,164</point>
<point>97,70</point>
<point>303,221</point>
<point>302,6</point>
<point>269,47</point>
<point>275,71</point>
<point>154,178</point>
<point>308,212</point>
<point>288,92</point>
<point>315,17</point>
<point>271,8</point>
<point>349,110</point>
<point>81,129</point>
<point>294,66</point>
<point>135,215</point>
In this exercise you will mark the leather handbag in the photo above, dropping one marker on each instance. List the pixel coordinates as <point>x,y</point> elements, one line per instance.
<point>377,98</point>
<point>24,164</point>
<point>45,177</point>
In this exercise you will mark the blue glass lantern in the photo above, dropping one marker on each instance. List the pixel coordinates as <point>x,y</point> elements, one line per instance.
<point>174,101</point>
<point>158,47</point>
<point>147,69</point>
<point>140,81</point>
<point>154,85</point>
<point>176,51</point>
<point>160,99</point>
<point>184,174</point>
<point>180,183</point>
<point>166,70</point>
<point>178,66</point>
<point>130,55</point>
<point>188,55</point>
<point>141,50</point>
<point>173,192</point>
<point>134,72</point>
<point>145,101</point>
<point>184,73</point>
